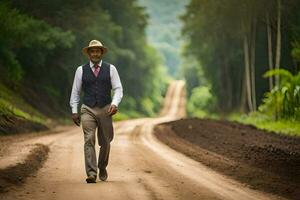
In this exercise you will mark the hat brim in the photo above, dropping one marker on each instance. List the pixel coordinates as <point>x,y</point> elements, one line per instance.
<point>85,49</point>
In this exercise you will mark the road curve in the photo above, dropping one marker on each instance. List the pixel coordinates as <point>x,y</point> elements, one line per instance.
<point>140,166</point>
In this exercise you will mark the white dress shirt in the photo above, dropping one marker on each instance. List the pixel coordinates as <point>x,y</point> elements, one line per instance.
<point>77,83</point>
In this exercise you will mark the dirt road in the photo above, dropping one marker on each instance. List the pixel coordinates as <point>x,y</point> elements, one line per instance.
<point>140,166</point>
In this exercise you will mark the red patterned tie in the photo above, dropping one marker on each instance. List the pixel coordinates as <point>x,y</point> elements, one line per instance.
<point>96,69</point>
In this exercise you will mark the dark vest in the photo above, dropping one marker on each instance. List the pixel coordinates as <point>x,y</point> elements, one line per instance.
<point>97,90</point>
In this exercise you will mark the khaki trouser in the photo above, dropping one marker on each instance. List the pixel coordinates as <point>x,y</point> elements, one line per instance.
<point>92,119</point>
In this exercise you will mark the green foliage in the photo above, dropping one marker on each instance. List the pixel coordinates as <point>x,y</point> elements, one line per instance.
<point>200,102</point>
<point>12,99</point>
<point>272,103</point>
<point>148,106</point>
<point>283,101</point>
<point>214,32</point>
<point>139,64</point>
<point>13,68</point>
<point>163,30</point>
<point>193,74</point>
<point>265,122</point>
<point>41,46</point>
<point>7,109</point>
<point>25,50</point>
<point>296,51</point>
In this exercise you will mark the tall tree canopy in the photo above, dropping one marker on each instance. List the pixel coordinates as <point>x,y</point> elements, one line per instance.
<point>41,44</point>
<point>234,43</point>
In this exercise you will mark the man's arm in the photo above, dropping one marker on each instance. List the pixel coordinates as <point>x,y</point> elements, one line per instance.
<point>75,95</point>
<point>117,90</point>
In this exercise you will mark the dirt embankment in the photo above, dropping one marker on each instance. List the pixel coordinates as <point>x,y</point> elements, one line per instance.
<point>14,124</point>
<point>262,160</point>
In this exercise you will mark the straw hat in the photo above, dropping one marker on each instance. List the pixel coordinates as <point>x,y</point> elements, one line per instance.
<point>94,43</point>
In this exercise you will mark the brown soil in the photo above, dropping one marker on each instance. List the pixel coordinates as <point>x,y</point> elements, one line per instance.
<point>16,175</point>
<point>13,124</point>
<point>262,160</point>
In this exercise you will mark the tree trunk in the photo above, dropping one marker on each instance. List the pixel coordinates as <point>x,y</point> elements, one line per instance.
<point>270,51</point>
<point>228,83</point>
<point>278,41</point>
<point>243,94</point>
<point>252,62</point>
<point>247,71</point>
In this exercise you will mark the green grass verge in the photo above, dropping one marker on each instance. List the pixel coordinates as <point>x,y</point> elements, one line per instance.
<point>257,119</point>
<point>264,122</point>
<point>12,104</point>
<point>126,115</point>
<point>6,108</point>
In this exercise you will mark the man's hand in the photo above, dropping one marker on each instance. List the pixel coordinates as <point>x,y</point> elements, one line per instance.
<point>113,109</point>
<point>76,119</point>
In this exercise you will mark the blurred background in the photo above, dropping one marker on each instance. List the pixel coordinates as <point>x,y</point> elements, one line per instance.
<point>240,59</point>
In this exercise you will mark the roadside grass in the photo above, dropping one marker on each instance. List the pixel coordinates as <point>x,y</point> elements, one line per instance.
<point>257,119</point>
<point>126,115</point>
<point>13,105</point>
<point>264,122</point>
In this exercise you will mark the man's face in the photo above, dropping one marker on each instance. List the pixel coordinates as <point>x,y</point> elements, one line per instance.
<point>95,54</point>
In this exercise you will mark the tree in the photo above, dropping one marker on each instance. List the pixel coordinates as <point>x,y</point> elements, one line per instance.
<point>235,42</point>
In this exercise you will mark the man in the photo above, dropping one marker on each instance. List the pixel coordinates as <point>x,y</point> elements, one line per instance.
<point>97,78</point>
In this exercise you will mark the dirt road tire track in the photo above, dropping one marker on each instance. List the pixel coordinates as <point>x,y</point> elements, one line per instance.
<point>141,167</point>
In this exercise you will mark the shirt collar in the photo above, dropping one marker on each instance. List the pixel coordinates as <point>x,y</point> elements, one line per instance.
<point>92,64</point>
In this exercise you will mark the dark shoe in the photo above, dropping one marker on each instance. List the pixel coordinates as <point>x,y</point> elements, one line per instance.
<point>91,179</point>
<point>103,174</point>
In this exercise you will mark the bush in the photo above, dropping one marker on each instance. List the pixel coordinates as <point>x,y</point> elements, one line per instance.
<point>283,101</point>
<point>201,101</point>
